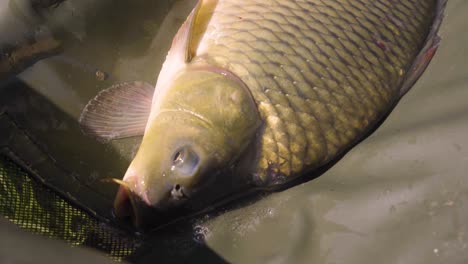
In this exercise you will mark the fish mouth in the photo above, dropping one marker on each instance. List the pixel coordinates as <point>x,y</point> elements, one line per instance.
<point>129,207</point>
<point>124,206</point>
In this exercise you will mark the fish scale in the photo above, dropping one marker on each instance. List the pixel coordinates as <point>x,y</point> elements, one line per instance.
<point>255,93</point>
<point>319,71</point>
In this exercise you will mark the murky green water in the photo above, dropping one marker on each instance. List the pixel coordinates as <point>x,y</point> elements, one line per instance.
<point>401,196</point>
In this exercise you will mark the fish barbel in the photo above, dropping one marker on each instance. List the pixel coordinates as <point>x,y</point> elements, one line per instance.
<point>256,93</point>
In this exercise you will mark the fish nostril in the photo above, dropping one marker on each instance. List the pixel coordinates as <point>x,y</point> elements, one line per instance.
<point>177,192</point>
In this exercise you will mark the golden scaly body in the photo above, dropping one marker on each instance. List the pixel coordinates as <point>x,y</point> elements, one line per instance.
<point>261,91</point>
<point>321,72</point>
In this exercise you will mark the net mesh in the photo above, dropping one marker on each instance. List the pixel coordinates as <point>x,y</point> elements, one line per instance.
<point>35,208</point>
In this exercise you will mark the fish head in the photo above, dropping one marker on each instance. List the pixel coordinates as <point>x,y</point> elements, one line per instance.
<point>197,130</point>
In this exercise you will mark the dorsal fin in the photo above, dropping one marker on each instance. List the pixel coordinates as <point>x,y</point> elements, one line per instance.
<point>189,36</point>
<point>185,43</point>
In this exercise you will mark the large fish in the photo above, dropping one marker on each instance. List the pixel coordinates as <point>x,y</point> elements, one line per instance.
<point>256,93</point>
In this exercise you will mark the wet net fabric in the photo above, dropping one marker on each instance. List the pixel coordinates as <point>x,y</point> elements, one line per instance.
<point>37,209</point>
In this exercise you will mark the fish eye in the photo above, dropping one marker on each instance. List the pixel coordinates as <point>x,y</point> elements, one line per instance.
<point>185,161</point>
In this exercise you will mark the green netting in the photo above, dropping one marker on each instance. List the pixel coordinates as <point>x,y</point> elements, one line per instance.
<point>35,208</point>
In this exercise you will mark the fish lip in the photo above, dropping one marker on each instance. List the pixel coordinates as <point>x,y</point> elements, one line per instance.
<point>145,198</point>
<point>133,209</point>
<point>121,206</point>
<point>128,205</point>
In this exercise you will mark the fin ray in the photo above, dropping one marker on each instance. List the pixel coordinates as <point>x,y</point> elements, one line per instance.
<point>427,52</point>
<point>189,36</point>
<point>119,111</point>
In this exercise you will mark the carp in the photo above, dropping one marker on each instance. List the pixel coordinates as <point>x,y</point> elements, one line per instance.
<point>256,93</point>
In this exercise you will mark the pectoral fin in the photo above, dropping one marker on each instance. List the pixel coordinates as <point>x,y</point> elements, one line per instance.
<point>120,111</point>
